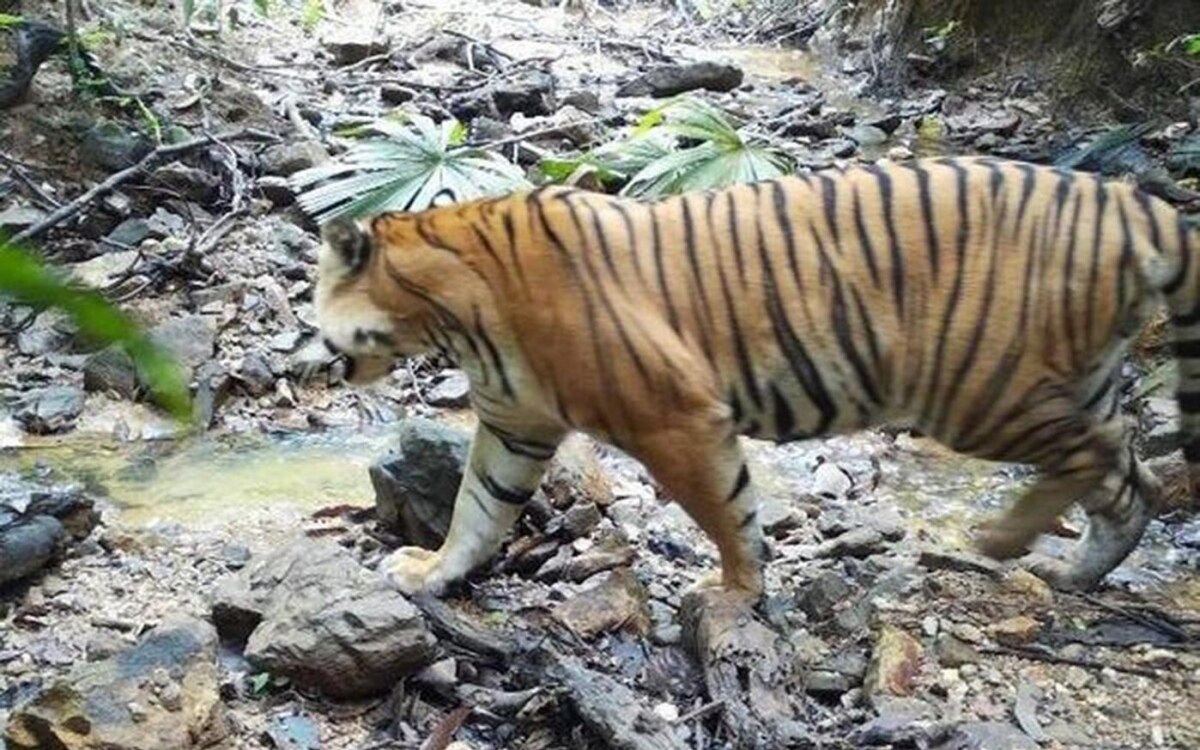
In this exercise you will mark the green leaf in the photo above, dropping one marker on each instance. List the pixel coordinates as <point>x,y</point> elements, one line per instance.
<point>8,21</point>
<point>24,278</point>
<point>263,7</point>
<point>403,166</point>
<point>311,15</point>
<point>260,682</point>
<point>1191,44</point>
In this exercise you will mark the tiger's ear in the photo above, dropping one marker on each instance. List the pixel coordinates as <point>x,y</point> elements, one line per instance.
<point>347,242</point>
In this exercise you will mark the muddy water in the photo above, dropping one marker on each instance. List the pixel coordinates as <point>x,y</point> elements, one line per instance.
<point>208,479</point>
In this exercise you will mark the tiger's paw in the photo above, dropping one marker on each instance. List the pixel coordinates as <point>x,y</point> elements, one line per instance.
<point>414,570</point>
<point>1060,574</point>
<point>1001,542</point>
<point>714,581</point>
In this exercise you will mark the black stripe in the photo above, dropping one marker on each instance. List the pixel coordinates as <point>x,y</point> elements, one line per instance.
<point>602,238</point>
<point>1094,271</point>
<point>672,315</point>
<point>1069,281</point>
<point>798,359</point>
<point>1187,319</point>
<point>963,235</point>
<point>845,339</point>
<point>889,222</point>
<point>1189,401</point>
<point>482,505</point>
<point>521,446</point>
<point>1143,201</point>
<point>748,519</point>
<point>732,218</point>
<point>631,238</point>
<point>829,203</point>
<point>509,495</point>
<point>785,421</point>
<point>739,484</point>
<point>1185,259</point>
<point>1027,187</point>
<point>927,218</point>
<point>1126,262</point>
<point>493,352</point>
<point>745,365</point>
<point>864,240</point>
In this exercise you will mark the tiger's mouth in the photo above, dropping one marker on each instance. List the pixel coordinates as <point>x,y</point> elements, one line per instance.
<point>359,369</point>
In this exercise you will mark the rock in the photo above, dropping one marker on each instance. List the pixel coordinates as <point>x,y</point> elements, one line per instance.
<point>48,332</point>
<point>861,542</point>
<point>453,389</point>
<point>213,386</point>
<point>669,80</point>
<point>953,652</point>
<point>315,615</point>
<point>111,146</point>
<point>865,135</point>
<point>576,476</point>
<point>192,183</point>
<point>530,93</point>
<point>190,338</point>
<point>822,596</point>
<point>585,100</point>
<point>285,159</point>
<point>394,94</point>
<point>1022,583</point>
<point>617,602</point>
<point>987,735</point>
<point>901,722</point>
<point>17,217</point>
<point>255,374</point>
<point>895,664</point>
<point>111,370</point>
<point>276,189</point>
<point>294,732</point>
<point>102,270</point>
<point>580,519</point>
<point>415,487</point>
<point>159,695</point>
<point>1018,630</point>
<point>1159,421</point>
<point>899,153</point>
<point>28,545</point>
<point>831,481</point>
<point>49,410</point>
<point>962,562</point>
<point>131,232</point>
<point>348,45</point>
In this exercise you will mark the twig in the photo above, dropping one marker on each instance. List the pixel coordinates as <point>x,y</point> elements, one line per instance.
<point>1158,623</point>
<point>115,179</point>
<point>303,128</point>
<point>1035,655</point>
<point>701,712</point>
<point>549,130</point>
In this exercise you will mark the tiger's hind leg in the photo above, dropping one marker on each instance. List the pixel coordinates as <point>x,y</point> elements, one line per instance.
<point>1116,520</point>
<point>1073,453</point>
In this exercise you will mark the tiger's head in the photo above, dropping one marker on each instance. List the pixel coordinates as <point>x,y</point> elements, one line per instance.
<point>360,315</point>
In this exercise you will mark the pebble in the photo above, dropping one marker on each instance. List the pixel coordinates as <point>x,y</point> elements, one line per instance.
<point>669,712</point>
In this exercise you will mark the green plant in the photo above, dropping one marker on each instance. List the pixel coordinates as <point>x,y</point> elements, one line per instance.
<point>25,279</point>
<point>404,167</point>
<point>686,144</point>
<point>1191,44</point>
<point>311,15</point>
<point>8,21</point>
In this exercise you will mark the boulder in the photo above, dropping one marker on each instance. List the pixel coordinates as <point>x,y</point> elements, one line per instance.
<point>161,694</point>
<point>111,146</point>
<point>669,80</point>
<point>988,735</point>
<point>350,45</point>
<point>49,410</point>
<point>895,664</point>
<point>192,183</point>
<point>190,338</point>
<point>530,93</point>
<point>48,332</point>
<point>415,487</point>
<point>618,601</point>
<point>452,390</point>
<point>111,370</point>
<point>285,159</point>
<point>312,613</point>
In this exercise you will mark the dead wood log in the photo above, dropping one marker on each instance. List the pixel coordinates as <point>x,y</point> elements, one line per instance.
<point>748,667</point>
<point>611,710</point>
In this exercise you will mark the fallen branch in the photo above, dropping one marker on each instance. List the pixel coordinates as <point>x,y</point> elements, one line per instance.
<point>1036,655</point>
<point>70,209</point>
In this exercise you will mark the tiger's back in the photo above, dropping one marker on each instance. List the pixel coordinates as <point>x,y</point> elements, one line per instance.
<point>986,301</point>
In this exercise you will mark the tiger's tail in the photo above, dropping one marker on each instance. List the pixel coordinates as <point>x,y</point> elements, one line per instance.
<point>1182,292</point>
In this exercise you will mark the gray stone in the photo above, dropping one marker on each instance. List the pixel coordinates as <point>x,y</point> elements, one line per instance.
<point>988,735</point>
<point>159,695</point>
<point>190,338</point>
<point>415,488</point>
<point>311,612</point>
<point>824,594</point>
<point>104,269</point>
<point>862,542</point>
<point>112,146</point>
<point>213,386</point>
<point>394,94</point>
<point>48,332</point>
<point>111,370</point>
<point>866,135</point>
<point>276,189</point>
<point>192,183</point>
<point>285,159</point>
<point>28,545</point>
<point>1159,420</point>
<point>255,374</point>
<point>669,80</point>
<point>49,410</point>
<point>131,232</point>
<point>453,389</point>
<point>530,93</point>
<point>962,562</point>
<point>351,45</point>
<point>16,218</point>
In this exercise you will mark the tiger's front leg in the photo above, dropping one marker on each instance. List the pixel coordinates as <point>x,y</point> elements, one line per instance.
<point>499,479</point>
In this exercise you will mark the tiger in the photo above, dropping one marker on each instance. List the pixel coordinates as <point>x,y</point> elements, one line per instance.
<point>987,303</point>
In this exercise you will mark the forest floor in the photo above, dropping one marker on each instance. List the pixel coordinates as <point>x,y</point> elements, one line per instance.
<point>880,628</point>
